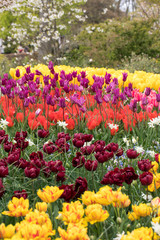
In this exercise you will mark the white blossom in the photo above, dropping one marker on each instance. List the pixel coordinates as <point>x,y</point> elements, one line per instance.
<point>139,149</point>
<point>31,143</point>
<point>156,227</point>
<point>62,124</point>
<point>119,236</point>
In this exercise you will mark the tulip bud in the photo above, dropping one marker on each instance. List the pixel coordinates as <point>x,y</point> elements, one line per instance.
<point>41,206</point>
<point>119,220</point>
<point>60,217</point>
<point>128,226</point>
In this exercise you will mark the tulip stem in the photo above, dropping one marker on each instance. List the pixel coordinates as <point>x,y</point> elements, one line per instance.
<point>102,170</point>
<point>50,212</point>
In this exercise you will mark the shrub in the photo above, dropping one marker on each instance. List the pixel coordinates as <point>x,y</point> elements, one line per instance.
<point>140,63</point>
<point>107,44</point>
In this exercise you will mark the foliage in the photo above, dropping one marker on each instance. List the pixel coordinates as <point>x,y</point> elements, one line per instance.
<point>4,64</point>
<point>107,44</point>
<point>140,63</point>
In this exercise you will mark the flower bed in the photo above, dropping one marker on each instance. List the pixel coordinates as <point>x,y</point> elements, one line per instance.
<point>87,144</point>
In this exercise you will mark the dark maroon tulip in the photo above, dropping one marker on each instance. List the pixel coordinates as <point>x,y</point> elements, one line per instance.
<point>14,156</point>
<point>46,170</point>
<point>145,165</point>
<point>63,146</point>
<point>146,178</point>
<point>79,135</point>
<point>19,194</point>
<point>2,133</point>
<point>119,152</point>
<point>39,163</point>
<point>2,190</point>
<point>99,145</point>
<point>23,163</point>
<point>156,157</point>
<point>113,177</point>
<point>8,146</point>
<point>78,161</point>
<point>80,186</point>
<point>78,142</point>
<point>64,135</point>
<point>132,154</point>
<point>3,139</point>
<point>36,155</point>
<point>68,193</point>
<point>55,166</point>
<point>22,134</point>
<point>112,147</point>
<point>103,156</point>
<point>3,162</point>
<point>43,133</point>
<point>3,171</point>
<point>91,165</point>
<point>50,148</point>
<point>32,172</point>
<point>87,150</point>
<point>21,143</point>
<point>129,174</point>
<point>87,137</point>
<point>107,179</point>
<point>60,177</point>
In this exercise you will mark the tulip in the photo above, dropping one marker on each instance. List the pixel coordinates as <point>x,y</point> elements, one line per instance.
<point>132,154</point>
<point>146,178</point>
<point>145,165</point>
<point>91,165</point>
<point>32,171</point>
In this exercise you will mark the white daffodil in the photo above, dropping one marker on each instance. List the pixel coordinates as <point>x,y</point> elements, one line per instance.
<point>3,123</point>
<point>148,198</point>
<point>113,126</point>
<point>134,140</point>
<point>30,142</point>
<point>62,124</point>
<point>139,149</point>
<point>151,153</point>
<point>119,236</point>
<point>156,227</point>
<point>125,139</point>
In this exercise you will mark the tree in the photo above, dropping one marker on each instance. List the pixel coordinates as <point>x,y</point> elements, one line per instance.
<point>42,24</point>
<point>148,9</point>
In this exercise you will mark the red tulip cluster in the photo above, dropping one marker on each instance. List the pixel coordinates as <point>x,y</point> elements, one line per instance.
<point>145,178</point>
<point>118,176</point>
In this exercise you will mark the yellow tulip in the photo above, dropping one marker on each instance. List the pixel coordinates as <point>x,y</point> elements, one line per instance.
<point>49,194</point>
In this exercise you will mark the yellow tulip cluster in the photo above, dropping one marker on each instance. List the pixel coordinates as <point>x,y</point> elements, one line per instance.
<point>143,210</point>
<point>106,196</point>
<point>140,233</point>
<point>139,79</point>
<point>76,215</point>
<point>36,225</point>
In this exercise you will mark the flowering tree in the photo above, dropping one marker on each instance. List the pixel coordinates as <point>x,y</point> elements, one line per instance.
<point>42,24</point>
<point>148,9</point>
